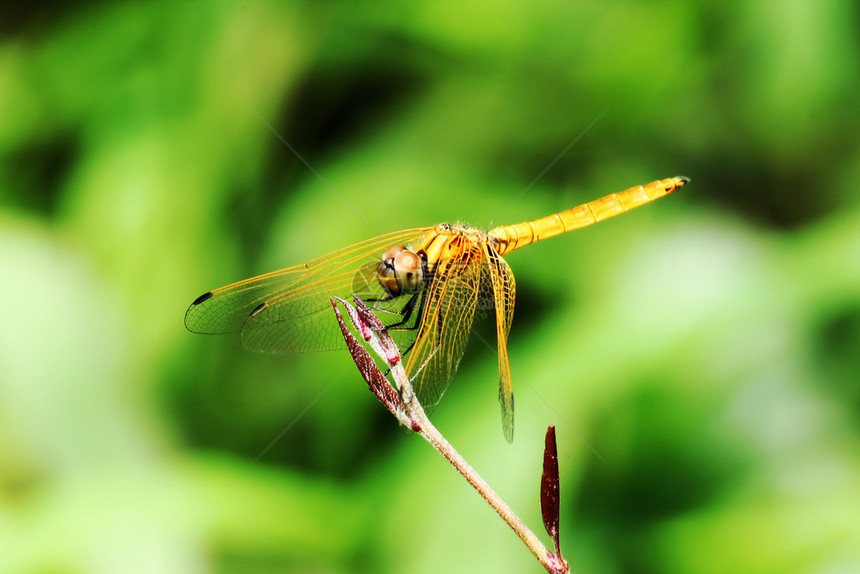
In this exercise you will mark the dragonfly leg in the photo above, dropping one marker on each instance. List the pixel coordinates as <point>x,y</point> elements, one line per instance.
<point>385,299</point>
<point>405,313</point>
<point>379,299</point>
<point>408,309</point>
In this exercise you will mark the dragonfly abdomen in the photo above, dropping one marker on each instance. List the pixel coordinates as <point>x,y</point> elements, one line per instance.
<point>511,237</point>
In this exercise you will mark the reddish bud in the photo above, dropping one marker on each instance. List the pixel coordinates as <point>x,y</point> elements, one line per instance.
<point>549,488</point>
<point>377,382</point>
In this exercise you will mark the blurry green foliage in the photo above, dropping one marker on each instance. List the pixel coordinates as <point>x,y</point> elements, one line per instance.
<point>699,356</point>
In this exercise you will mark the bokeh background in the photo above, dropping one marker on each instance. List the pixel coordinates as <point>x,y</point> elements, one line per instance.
<point>700,356</point>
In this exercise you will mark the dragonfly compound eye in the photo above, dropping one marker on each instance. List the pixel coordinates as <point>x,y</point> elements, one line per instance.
<point>407,270</point>
<point>385,271</point>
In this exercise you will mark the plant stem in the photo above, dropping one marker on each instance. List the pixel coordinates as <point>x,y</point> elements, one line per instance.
<point>432,435</point>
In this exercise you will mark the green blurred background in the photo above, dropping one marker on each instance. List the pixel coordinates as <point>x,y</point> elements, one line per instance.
<point>700,355</point>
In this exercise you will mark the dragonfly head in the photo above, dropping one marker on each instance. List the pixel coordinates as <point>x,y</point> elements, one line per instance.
<point>400,271</point>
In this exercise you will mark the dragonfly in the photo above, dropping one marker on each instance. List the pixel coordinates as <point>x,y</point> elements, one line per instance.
<point>426,285</point>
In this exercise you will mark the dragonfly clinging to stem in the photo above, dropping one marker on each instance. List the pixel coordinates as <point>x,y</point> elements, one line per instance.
<point>425,284</point>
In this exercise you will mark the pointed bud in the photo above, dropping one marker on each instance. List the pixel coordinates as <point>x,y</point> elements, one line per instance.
<point>549,488</point>
<point>377,382</point>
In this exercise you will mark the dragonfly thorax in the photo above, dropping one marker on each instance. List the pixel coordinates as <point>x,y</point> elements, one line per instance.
<point>400,271</point>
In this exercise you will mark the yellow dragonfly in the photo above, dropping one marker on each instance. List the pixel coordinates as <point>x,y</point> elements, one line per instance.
<point>424,284</point>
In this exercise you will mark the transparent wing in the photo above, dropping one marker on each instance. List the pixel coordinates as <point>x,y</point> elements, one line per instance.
<point>503,287</point>
<point>445,325</point>
<point>288,311</point>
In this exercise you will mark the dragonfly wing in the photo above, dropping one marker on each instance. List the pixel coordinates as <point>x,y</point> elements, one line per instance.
<point>288,311</point>
<point>503,292</point>
<point>444,331</point>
